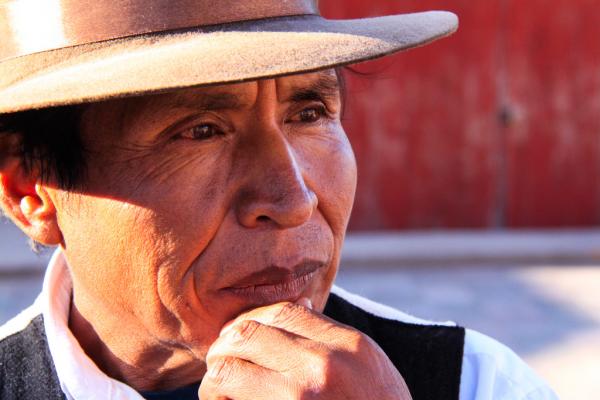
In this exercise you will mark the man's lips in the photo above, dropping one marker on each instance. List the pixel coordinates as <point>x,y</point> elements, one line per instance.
<point>274,284</point>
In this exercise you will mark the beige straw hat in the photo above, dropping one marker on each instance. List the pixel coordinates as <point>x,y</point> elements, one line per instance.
<point>59,52</point>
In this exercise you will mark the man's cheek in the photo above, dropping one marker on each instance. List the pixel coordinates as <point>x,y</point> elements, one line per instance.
<point>330,166</point>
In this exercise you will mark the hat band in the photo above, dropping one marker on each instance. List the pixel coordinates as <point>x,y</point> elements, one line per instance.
<point>31,26</point>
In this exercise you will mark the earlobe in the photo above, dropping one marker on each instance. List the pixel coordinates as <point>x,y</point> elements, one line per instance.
<point>28,204</point>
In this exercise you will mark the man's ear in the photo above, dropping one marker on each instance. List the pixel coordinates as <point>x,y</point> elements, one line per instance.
<point>27,203</point>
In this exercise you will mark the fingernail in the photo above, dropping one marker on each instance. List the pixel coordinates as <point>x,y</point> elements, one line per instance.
<point>305,301</point>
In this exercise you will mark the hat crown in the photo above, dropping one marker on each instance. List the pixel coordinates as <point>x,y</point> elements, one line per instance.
<point>31,26</point>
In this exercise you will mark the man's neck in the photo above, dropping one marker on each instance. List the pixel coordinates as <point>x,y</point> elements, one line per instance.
<point>119,354</point>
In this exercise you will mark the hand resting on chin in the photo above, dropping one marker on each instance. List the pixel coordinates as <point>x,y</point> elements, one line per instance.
<point>289,351</point>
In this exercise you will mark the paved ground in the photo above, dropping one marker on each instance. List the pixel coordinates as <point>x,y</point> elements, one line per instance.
<point>546,310</point>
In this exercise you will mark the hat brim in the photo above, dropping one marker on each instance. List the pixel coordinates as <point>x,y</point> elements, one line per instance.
<point>230,53</point>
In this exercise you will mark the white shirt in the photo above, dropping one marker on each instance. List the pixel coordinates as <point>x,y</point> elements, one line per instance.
<point>490,371</point>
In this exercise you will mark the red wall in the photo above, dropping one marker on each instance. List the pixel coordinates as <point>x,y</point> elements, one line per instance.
<point>496,126</point>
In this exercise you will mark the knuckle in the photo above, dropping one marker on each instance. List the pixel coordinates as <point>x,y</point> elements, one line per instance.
<point>245,331</point>
<point>248,328</point>
<point>358,341</point>
<point>320,360</point>
<point>288,312</point>
<point>353,341</point>
<point>331,368</point>
<point>222,369</point>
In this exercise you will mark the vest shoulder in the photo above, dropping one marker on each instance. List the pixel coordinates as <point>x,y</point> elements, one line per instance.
<point>26,367</point>
<point>428,355</point>
<point>374,318</point>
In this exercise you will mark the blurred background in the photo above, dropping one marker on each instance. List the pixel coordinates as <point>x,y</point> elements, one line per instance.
<point>479,182</point>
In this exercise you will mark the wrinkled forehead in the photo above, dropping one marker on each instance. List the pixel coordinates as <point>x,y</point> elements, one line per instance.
<point>325,85</point>
<point>289,88</point>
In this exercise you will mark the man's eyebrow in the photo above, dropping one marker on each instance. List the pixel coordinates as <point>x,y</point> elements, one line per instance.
<point>326,87</point>
<point>199,103</point>
<point>208,101</point>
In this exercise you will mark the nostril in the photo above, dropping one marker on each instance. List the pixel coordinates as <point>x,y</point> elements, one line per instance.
<point>263,218</point>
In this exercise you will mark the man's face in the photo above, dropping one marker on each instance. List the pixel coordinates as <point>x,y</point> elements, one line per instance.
<point>203,203</point>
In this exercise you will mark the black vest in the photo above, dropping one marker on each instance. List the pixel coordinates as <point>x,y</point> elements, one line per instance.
<point>428,357</point>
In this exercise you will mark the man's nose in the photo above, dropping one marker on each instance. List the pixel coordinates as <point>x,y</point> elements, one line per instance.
<point>274,189</point>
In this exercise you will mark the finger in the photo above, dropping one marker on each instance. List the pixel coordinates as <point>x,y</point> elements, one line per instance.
<point>264,345</point>
<point>303,301</point>
<point>296,319</point>
<point>234,378</point>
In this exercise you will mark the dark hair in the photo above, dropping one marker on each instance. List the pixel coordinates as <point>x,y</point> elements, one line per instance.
<point>341,76</point>
<point>48,142</point>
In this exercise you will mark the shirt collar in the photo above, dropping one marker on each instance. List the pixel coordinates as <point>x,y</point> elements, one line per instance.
<point>79,377</point>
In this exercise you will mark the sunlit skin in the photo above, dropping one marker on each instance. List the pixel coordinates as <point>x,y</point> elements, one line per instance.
<point>199,206</point>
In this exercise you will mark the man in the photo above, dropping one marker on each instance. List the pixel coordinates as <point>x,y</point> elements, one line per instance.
<point>187,158</point>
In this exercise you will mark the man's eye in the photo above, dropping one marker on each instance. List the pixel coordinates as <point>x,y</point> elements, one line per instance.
<point>201,132</point>
<point>311,114</point>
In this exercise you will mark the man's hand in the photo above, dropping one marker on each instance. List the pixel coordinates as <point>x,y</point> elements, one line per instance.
<point>287,351</point>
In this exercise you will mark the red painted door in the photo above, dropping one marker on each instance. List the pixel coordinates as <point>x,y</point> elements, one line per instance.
<point>496,126</point>
<point>553,101</point>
